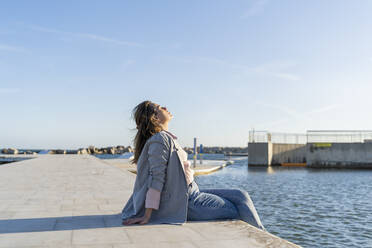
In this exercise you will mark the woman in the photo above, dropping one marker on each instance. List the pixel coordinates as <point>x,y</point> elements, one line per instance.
<point>165,190</point>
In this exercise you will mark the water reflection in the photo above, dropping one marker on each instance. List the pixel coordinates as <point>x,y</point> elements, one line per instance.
<point>270,170</point>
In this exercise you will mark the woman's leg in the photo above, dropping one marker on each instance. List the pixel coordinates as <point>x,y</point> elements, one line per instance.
<point>242,201</point>
<point>205,206</point>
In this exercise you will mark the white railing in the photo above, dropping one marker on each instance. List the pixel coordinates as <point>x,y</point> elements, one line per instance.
<point>275,137</point>
<point>312,136</point>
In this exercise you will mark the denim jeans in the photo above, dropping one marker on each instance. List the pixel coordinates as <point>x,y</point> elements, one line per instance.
<point>211,204</point>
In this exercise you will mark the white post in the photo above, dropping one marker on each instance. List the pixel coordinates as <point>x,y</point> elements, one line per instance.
<point>195,152</point>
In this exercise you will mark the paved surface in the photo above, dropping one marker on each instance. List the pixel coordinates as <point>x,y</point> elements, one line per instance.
<point>76,201</point>
<point>207,167</point>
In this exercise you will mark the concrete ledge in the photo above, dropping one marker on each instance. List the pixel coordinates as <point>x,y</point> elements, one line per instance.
<point>207,167</point>
<point>76,201</point>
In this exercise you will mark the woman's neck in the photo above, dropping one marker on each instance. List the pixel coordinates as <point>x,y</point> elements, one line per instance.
<point>164,126</point>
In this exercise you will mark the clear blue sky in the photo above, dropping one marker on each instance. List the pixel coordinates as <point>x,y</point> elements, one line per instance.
<point>72,71</point>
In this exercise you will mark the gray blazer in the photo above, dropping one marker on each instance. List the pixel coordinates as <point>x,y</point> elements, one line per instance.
<point>159,167</point>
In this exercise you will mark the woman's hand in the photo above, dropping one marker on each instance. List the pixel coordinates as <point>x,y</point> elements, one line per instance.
<point>139,220</point>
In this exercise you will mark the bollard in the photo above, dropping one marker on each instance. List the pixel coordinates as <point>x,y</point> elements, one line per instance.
<point>195,152</point>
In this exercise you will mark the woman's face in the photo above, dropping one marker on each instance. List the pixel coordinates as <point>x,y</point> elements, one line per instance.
<point>162,114</point>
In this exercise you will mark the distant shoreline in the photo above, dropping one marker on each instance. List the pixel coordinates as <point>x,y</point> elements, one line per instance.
<point>243,151</point>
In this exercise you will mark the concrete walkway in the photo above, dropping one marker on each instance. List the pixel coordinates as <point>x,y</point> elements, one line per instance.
<point>207,167</point>
<point>76,201</point>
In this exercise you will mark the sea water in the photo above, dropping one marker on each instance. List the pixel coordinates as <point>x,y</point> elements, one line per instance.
<point>310,207</point>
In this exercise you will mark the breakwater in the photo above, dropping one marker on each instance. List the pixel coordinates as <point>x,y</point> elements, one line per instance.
<point>314,155</point>
<point>346,149</point>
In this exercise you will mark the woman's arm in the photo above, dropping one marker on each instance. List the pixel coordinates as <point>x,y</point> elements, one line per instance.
<point>158,155</point>
<point>152,199</point>
<point>148,212</point>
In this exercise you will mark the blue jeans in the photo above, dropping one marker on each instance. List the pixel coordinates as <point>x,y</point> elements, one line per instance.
<point>211,204</point>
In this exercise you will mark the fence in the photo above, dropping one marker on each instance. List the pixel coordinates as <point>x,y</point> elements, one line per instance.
<point>339,136</point>
<point>277,138</point>
<point>312,136</point>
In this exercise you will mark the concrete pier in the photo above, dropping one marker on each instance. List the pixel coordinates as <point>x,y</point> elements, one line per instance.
<point>312,155</point>
<point>272,154</point>
<point>339,155</point>
<point>76,201</point>
<point>208,166</point>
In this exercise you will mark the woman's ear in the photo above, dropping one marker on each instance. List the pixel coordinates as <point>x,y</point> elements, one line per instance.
<point>156,119</point>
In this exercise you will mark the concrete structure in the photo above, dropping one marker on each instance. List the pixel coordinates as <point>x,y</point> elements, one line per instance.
<point>288,153</point>
<point>314,155</point>
<point>270,154</point>
<point>259,154</point>
<point>208,166</point>
<point>318,149</point>
<point>76,201</point>
<point>339,155</point>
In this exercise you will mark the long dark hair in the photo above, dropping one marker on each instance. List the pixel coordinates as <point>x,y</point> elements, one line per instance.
<point>144,116</point>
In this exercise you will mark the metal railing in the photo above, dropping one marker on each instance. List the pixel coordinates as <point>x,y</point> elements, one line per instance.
<point>312,136</point>
<point>258,136</point>
<point>276,137</point>
<point>339,136</point>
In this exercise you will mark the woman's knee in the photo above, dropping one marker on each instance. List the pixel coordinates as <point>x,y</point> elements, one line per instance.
<point>242,194</point>
<point>209,201</point>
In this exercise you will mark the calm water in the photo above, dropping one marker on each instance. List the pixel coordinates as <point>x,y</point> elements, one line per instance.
<point>312,208</point>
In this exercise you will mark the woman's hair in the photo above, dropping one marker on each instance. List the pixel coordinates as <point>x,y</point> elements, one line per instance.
<point>144,116</point>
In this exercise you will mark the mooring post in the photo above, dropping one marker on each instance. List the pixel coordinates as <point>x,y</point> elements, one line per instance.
<point>195,152</point>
